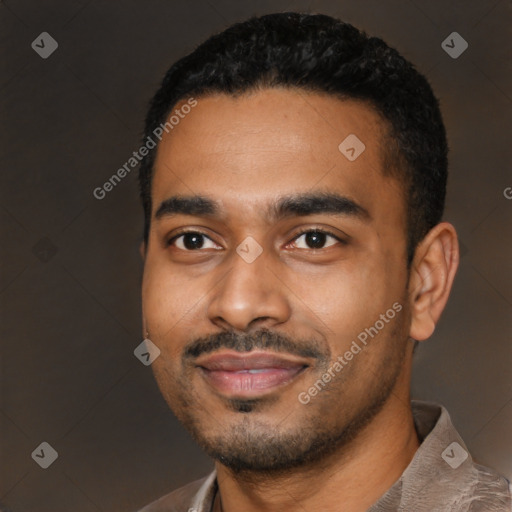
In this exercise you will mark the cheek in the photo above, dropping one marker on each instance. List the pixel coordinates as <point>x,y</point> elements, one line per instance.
<point>169,301</point>
<point>342,301</point>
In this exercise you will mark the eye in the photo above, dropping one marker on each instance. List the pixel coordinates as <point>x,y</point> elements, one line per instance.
<point>191,241</point>
<point>315,239</point>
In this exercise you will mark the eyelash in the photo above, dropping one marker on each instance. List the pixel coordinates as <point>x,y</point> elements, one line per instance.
<point>298,235</point>
<point>319,230</point>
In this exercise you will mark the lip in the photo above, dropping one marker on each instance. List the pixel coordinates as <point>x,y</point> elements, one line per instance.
<point>250,374</point>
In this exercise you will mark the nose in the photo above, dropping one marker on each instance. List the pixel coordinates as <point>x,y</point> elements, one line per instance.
<point>249,296</point>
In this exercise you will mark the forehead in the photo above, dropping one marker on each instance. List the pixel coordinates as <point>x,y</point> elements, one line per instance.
<point>246,149</point>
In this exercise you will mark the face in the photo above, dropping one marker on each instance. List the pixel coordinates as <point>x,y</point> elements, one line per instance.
<point>275,281</point>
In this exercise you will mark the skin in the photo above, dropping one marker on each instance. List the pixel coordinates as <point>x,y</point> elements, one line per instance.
<point>244,153</point>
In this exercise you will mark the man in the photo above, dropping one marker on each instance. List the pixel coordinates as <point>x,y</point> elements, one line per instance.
<point>294,254</point>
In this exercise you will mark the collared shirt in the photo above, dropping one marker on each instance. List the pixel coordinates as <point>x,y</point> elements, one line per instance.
<point>442,477</point>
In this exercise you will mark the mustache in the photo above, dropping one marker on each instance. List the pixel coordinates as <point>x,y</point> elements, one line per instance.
<point>262,339</point>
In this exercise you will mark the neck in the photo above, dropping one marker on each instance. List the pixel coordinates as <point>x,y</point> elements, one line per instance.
<point>356,477</point>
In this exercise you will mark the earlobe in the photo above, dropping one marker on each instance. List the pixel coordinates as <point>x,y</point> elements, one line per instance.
<point>432,274</point>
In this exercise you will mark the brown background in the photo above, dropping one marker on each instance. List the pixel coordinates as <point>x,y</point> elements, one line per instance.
<point>70,264</point>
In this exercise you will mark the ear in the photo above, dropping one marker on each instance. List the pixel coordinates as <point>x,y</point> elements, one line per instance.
<point>432,272</point>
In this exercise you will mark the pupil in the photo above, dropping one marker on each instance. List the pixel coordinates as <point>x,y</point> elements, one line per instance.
<point>193,241</point>
<point>315,239</point>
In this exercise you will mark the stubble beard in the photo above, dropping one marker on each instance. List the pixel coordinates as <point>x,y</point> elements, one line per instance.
<point>252,445</point>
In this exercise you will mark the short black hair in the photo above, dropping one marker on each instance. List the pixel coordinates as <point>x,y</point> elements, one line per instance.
<point>318,53</point>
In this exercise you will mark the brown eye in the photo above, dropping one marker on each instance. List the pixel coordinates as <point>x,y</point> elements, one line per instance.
<point>192,241</point>
<point>315,239</point>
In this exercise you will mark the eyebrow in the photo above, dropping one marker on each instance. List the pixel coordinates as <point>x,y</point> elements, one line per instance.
<point>302,204</point>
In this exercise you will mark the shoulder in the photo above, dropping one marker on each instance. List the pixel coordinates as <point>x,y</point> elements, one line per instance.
<point>489,492</point>
<point>443,474</point>
<point>180,500</point>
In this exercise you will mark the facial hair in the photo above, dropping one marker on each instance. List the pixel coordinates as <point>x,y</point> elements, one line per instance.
<point>253,444</point>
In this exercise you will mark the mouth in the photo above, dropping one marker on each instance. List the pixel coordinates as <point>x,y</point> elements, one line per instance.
<point>249,374</point>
